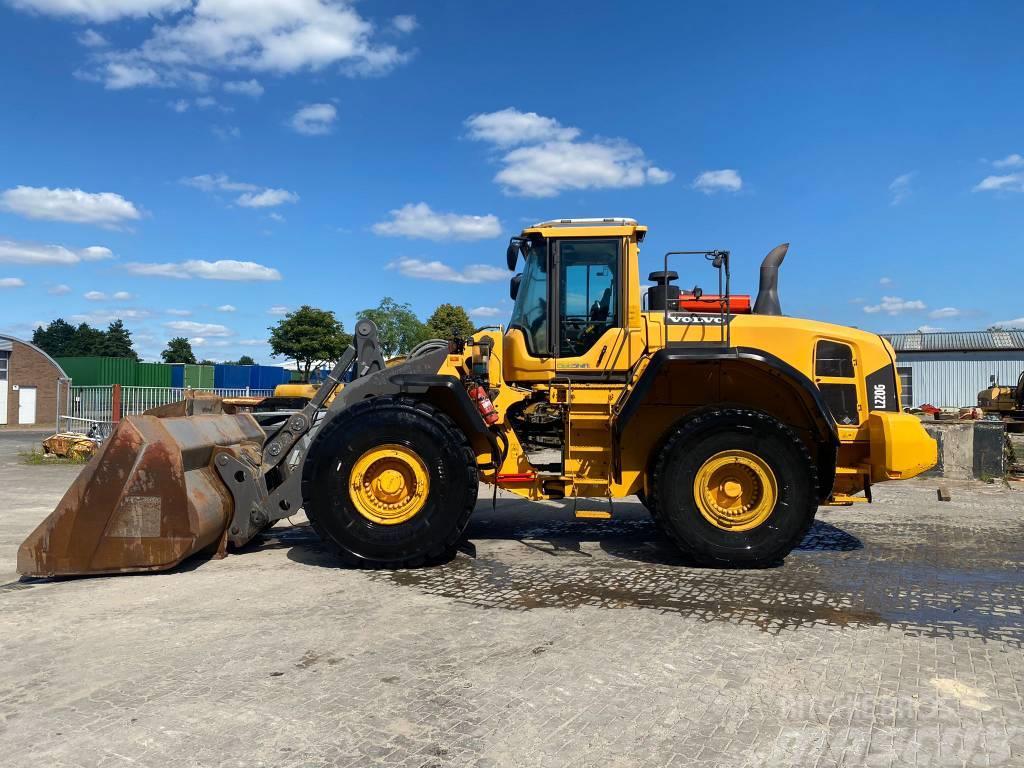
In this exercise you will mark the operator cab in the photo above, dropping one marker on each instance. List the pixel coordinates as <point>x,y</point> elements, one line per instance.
<point>569,318</point>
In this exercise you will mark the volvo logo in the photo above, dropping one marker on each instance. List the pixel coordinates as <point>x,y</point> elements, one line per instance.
<point>680,319</point>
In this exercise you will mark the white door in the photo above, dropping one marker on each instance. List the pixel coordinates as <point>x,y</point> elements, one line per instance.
<point>3,401</point>
<point>27,405</point>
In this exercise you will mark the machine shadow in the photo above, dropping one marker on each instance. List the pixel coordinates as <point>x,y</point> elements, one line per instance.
<point>550,529</point>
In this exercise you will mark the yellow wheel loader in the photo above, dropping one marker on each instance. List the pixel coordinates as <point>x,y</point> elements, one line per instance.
<point>731,422</point>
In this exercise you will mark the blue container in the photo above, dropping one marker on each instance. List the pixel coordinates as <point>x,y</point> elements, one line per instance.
<point>231,376</point>
<point>268,376</point>
<point>178,375</point>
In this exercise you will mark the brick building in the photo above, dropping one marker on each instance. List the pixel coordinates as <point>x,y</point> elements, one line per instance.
<point>30,381</point>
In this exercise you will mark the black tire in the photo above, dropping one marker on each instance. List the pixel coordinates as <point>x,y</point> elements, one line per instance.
<point>430,536</point>
<point>675,510</point>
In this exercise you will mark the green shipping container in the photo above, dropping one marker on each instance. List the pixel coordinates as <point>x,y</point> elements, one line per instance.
<point>199,376</point>
<point>152,375</point>
<point>100,371</point>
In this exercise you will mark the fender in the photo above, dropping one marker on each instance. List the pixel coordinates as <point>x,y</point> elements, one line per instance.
<point>418,376</point>
<point>813,402</point>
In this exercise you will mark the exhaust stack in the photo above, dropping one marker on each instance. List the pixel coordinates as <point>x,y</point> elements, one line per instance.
<point>767,302</point>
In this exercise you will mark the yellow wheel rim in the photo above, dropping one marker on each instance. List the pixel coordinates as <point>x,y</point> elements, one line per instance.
<point>735,490</point>
<point>389,484</point>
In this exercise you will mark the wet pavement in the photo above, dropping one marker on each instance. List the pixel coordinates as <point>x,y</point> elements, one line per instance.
<point>891,636</point>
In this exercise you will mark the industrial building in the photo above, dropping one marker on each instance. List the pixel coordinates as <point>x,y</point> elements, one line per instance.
<point>30,384</point>
<point>948,369</point>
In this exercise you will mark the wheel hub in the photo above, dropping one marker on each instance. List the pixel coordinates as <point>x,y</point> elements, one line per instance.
<point>735,490</point>
<point>389,484</point>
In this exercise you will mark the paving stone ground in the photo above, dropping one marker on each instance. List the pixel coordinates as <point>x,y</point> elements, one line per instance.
<point>892,637</point>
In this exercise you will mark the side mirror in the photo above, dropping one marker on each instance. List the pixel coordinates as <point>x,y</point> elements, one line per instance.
<point>513,286</point>
<point>512,255</point>
<point>697,292</point>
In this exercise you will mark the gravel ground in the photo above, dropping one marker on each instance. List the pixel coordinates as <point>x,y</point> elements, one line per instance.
<point>892,636</point>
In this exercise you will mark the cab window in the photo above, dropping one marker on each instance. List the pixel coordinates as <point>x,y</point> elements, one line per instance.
<point>588,293</point>
<point>530,313</point>
<point>834,361</point>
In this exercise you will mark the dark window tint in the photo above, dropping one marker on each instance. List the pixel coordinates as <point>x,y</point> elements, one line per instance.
<point>3,365</point>
<point>833,359</point>
<point>842,401</point>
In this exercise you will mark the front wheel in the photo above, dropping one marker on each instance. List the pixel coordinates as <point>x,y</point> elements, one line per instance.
<point>391,483</point>
<point>734,487</point>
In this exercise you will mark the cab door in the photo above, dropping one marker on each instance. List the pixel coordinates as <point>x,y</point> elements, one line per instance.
<point>587,314</point>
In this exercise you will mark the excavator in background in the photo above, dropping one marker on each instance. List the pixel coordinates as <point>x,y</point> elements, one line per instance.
<point>1006,402</point>
<point>731,422</point>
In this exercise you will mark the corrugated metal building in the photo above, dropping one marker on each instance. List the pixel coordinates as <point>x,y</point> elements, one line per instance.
<point>949,369</point>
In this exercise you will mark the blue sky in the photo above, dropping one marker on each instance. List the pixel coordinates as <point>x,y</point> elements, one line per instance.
<point>198,167</point>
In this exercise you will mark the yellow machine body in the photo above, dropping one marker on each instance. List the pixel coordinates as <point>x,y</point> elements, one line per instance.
<point>594,387</point>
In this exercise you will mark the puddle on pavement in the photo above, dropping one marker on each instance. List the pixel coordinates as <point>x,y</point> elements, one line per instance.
<point>938,580</point>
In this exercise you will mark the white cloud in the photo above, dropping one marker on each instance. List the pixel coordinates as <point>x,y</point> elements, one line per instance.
<point>252,195</point>
<point>275,216</point>
<point>104,316</point>
<point>510,127</point>
<point>90,38</point>
<point>268,198</point>
<point>95,296</point>
<point>59,290</point>
<point>314,119</point>
<point>543,157</point>
<point>251,342</point>
<point>929,329</point>
<point>198,329</point>
<point>96,253</point>
<point>486,312</point>
<point>100,10</point>
<point>278,310</point>
<point>118,77</point>
<point>724,180</point>
<point>179,105</point>
<point>945,312</point>
<point>885,281</point>
<point>1015,323</point>
<point>18,252</point>
<point>900,189</point>
<point>278,36</point>
<point>404,23</point>
<point>226,308</point>
<point>437,270</point>
<point>179,312</point>
<point>226,132</point>
<point>244,87</point>
<point>418,220</point>
<point>206,270</point>
<point>1011,182</point>
<point>71,205</point>
<point>1010,161</point>
<point>894,305</point>
<point>123,296</point>
<point>11,282</point>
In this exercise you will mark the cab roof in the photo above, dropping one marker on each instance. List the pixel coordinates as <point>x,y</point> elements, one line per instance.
<point>617,225</point>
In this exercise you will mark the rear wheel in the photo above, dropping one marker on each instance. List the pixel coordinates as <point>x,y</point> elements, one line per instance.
<point>734,486</point>
<point>391,483</point>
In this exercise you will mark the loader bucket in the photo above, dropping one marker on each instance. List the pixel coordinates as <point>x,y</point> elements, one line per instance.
<point>149,499</point>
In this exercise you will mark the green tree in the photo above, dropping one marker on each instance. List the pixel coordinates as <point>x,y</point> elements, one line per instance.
<point>179,350</point>
<point>88,340</point>
<point>450,321</point>
<point>397,325</point>
<point>310,337</point>
<point>245,360</point>
<point>117,342</point>
<point>58,339</point>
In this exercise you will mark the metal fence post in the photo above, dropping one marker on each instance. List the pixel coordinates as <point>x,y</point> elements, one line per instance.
<point>115,404</point>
